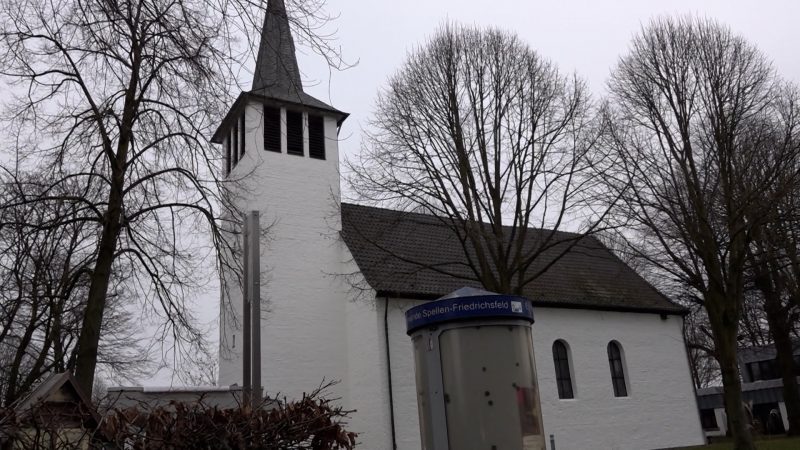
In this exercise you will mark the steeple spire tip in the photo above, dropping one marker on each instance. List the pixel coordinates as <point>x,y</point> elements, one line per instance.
<point>276,64</point>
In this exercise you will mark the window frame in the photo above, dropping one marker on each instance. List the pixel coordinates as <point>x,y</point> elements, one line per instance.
<point>563,369</point>
<point>618,379</point>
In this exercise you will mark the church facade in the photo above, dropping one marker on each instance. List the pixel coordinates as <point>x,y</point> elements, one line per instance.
<point>611,362</point>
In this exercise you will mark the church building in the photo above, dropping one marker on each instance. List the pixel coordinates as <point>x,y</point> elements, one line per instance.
<point>612,367</point>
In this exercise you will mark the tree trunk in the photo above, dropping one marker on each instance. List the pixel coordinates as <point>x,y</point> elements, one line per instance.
<point>89,339</point>
<point>724,325</point>
<point>781,336</point>
<point>767,280</point>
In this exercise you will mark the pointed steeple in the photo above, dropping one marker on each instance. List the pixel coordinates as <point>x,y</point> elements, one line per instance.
<point>276,66</point>
<point>276,78</point>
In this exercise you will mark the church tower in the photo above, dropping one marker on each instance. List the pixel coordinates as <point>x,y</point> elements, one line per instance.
<point>282,159</point>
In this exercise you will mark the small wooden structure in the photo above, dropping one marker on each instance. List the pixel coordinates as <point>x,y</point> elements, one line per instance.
<point>57,414</point>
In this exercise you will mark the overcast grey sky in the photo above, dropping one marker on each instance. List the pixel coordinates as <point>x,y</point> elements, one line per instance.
<point>585,36</point>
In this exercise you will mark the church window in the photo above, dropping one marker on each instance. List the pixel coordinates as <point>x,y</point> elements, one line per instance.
<point>316,137</point>
<point>294,133</point>
<point>272,129</point>
<point>563,376</point>
<point>617,369</point>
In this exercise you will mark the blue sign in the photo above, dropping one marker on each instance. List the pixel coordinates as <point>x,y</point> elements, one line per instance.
<point>468,308</point>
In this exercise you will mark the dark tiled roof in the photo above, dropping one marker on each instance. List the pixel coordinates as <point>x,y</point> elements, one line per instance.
<point>276,78</point>
<point>47,391</point>
<point>295,97</point>
<point>276,64</point>
<point>417,256</point>
<point>276,75</point>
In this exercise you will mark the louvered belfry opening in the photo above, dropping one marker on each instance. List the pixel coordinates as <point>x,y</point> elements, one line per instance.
<point>242,139</point>
<point>272,129</point>
<point>235,146</point>
<point>316,136</point>
<point>294,132</point>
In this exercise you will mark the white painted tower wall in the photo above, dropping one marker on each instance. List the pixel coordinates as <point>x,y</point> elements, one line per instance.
<point>303,333</point>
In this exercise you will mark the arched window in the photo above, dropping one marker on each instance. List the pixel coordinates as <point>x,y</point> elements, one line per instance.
<point>561,362</point>
<point>617,369</point>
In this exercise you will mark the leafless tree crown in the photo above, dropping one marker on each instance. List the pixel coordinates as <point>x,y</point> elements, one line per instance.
<point>478,129</point>
<point>115,102</point>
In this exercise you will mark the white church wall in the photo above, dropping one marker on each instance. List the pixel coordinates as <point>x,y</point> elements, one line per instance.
<point>367,380</point>
<point>303,333</point>
<point>660,410</point>
<point>314,329</point>
<point>403,380</point>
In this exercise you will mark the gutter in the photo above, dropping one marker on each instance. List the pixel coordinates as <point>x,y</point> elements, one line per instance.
<point>677,311</point>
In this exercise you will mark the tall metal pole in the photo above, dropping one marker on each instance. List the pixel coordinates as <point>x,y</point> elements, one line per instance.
<point>246,321</point>
<point>255,302</point>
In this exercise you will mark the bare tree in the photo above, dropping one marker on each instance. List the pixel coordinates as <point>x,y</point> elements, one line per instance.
<point>700,345</point>
<point>681,99</point>
<point>774,243</point>
<point>44,278</point>
<point>121,97</point>
<point>479,130</point>
<point>696,332</point>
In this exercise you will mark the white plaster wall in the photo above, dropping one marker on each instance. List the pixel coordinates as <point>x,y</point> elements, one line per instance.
<point>304,328</point>
<point>367,380</point>
<point>659,412</point>
<point>403,380</point>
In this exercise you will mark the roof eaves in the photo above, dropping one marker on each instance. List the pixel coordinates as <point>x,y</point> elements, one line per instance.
<point>678,311</point>
<point>314,104</point>
<point>238,105</point>
<point>219,134</point>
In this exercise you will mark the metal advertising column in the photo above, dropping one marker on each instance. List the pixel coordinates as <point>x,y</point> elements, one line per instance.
<point>476,378</point>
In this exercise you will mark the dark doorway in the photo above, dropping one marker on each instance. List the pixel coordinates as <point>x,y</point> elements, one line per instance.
<point>768,418</point>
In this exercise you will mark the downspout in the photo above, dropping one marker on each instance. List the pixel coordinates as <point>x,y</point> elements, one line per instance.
<point>389,369</point>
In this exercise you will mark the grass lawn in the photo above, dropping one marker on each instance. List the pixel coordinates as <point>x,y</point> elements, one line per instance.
<point>761,444</point>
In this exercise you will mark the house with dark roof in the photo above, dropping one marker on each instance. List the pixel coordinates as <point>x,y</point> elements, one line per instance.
<point>337,278</point>
<point>55,414</point>
<point>762,392</point>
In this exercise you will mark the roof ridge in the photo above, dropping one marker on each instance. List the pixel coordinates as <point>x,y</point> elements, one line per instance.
<point>439,220</point>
